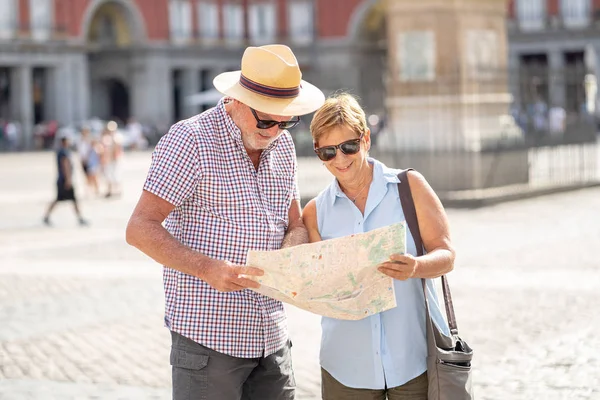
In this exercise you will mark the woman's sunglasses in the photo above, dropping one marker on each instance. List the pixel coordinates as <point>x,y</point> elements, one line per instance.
<point>267,123</point>
<point>349,147</point>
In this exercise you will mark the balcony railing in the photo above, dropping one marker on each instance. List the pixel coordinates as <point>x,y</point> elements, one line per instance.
<point>532,22</point>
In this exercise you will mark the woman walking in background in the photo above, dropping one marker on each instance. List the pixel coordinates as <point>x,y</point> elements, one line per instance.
<point>90,161</point>
<point>112,152</point>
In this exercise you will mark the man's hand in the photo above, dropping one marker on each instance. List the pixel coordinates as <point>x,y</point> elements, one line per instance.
<point>68,184</point>
<point>227,277</point>
<point>400,266</point>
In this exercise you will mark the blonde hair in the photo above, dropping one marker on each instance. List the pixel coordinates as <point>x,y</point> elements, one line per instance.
<point>339,110</point>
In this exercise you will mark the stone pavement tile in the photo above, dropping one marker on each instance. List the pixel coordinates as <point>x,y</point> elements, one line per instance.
<point>531,343</point>
<point>559,368</point>
<point>81,312</point>
<point>50,390</point>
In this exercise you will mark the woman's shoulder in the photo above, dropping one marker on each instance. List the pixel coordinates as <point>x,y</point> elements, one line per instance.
<point>324,197</point>
<point>310,209</point>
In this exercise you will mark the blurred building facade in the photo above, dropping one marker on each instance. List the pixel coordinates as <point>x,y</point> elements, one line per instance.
<point>69,60</point>
<point>553,45</point>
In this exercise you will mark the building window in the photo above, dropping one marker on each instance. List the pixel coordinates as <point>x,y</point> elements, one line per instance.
<point>107,31</point>
<point>262,22</point>
<point>41,14</point>
<point>180,21</point>
<point>575,13</point>
<point>233,22</point>
<point>8,18</point>
<point>208,18</point>
<point>417,56</point>
<point>482,53</point>
<point>531,14</point>
<point>300,21</point>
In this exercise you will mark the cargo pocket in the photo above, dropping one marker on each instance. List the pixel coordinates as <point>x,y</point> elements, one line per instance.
<point>189,375</point>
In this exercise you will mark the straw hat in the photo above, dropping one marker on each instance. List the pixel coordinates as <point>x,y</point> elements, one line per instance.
<point>271,82</point>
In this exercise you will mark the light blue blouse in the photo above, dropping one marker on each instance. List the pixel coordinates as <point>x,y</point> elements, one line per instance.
<point>390,348</point>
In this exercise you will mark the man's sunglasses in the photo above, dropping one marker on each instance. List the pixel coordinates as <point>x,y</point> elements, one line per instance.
<point>349,147</point>
<point>267,123</point>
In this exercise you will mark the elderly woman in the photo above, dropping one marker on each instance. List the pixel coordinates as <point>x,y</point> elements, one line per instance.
<point>384,355</point>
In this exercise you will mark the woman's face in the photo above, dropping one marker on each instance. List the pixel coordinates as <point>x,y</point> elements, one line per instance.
<point>345,167</point>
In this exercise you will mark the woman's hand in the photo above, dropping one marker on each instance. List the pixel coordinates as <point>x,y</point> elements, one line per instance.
<point>400,266</point>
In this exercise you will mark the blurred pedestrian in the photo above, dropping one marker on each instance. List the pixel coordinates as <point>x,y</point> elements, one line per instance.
<point>112,152</point>
<point>64,183</point>
<point>12,132</point>
<point>135,135</point>
<point>51,129</point>
<point>89,158</point>
<point>3,144</point>
<point>557,117</point>
<point>225,182</point>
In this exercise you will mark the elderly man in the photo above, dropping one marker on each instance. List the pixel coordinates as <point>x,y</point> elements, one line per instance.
<point>225,181</point>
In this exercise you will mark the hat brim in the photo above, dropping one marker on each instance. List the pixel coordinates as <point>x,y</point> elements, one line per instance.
<point>308,100</point>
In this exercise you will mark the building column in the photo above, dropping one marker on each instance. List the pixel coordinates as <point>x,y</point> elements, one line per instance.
<point>514,76</point>
<point>151,92</point>
<point>191,85</point>
<point>556,78</point>
<point>22,106</point>
<point>50,89</point>
<point>65,95</point>
<point>596,71</point>
<point>81,98</point>
<point>139,90</point>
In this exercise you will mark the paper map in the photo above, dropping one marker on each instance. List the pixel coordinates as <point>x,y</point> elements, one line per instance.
<point>335,278</point>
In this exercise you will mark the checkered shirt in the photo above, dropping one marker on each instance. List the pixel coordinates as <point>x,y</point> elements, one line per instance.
<point>223,208</point>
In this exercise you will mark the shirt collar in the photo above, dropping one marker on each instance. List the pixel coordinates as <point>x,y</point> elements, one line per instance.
<point>236,134</point>
<point>231,127</point>
<point>382,175</point>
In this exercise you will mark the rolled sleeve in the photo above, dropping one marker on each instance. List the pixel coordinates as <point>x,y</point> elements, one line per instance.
<point>174,172</point>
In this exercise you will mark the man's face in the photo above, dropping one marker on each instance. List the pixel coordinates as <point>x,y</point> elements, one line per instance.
<point>256,139</point>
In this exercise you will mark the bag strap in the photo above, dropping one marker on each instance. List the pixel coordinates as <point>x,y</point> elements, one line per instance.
<point>410,214</point>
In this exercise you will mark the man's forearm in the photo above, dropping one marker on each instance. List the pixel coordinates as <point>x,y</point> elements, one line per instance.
<point>156,242</point>
<point>295,236</point>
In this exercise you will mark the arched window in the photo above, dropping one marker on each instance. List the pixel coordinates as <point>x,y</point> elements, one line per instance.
<point>107,31</point>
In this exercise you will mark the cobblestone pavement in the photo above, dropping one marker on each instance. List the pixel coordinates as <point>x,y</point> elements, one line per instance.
<point>81,312</point>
